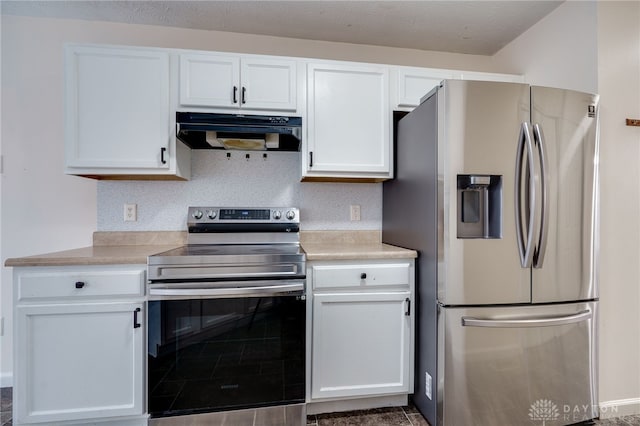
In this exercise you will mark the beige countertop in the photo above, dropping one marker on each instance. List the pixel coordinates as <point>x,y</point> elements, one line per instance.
<point>112,248</point>
<point>94,255</point>
<point>350,245</point>
<point>330,251</point>
<point>109,248</point>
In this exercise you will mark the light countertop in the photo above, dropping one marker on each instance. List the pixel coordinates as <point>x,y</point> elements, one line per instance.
<point>94,255</point>
<point>329,251</point>
<point>112,248</point>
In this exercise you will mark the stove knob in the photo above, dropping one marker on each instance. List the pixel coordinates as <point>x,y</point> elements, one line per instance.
<point>277,214</point>
<point>291,215</point>
<point>211,214</point>
<point>197,214</point>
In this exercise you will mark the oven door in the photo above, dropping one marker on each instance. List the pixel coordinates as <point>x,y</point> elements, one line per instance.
<point>225,346</point>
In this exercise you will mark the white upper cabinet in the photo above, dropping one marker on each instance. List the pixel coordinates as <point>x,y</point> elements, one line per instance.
<point>118,115</point>
<point>348,123</point>
<point>268,84</point>
<point>488,76</point>
<point>121,104</point>
<point>209,80</point>
<point>412,84</point>
<point>222,81</point>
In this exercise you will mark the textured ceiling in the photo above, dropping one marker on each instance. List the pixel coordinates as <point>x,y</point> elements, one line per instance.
<point>474,27</point>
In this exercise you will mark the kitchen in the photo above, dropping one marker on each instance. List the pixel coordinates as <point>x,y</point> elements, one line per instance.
<point>40,204</point>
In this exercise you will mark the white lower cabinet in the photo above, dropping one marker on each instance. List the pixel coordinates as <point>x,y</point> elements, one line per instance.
<point>361,344</point>
<point>362,329</point>
<point>79,349</point>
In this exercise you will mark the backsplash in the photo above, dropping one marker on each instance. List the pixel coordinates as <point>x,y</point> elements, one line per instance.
<point>239,182</point>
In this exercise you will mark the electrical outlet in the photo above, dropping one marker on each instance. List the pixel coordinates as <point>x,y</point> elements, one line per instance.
<point>355,212</point>
<point>130,212</point>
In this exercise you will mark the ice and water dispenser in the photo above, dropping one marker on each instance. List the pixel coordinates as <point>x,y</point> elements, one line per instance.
<point>479,206</point>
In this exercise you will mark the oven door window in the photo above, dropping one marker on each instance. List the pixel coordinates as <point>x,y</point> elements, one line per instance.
<point>221,354</point>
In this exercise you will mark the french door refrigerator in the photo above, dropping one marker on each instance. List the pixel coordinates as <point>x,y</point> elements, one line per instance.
<point>497,188</point>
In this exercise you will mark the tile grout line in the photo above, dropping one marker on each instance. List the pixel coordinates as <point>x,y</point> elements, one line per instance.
<point>407,416</point>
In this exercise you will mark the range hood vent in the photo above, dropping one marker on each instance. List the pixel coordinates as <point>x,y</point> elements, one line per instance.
<point>243,132</point>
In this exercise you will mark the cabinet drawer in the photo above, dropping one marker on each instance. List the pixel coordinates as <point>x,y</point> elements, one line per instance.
<point>334,276</point>
<point>80,284</point>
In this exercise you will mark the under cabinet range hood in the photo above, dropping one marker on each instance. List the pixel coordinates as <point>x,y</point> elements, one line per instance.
<point>200,130</point>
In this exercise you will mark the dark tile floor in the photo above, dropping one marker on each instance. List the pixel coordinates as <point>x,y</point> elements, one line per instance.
<point>620,421</point>
<point>394,416</point>
<point>6,403</point>
<point>410,416</point>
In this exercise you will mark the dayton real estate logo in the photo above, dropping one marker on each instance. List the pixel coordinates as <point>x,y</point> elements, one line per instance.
<point>544,410</point>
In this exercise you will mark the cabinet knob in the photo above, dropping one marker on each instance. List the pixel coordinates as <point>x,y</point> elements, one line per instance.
<point>79,284</point>
<point>363,276</point>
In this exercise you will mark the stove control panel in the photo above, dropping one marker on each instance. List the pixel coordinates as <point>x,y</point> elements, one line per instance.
<point>202,215</point>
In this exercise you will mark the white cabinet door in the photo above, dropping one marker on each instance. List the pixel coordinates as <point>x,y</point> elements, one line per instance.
<point>209,80</point>
<point>237,82</point>
<point>78,361</point>
<point>348,133</point>
<point>117,108</point>
<point>361,344</point>
<point>268,84</point>
<point>413,83</point>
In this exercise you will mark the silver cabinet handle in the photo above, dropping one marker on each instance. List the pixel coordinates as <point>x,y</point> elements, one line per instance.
<point>544,207</point>
<point>527,322</point>
<point>525,247</point>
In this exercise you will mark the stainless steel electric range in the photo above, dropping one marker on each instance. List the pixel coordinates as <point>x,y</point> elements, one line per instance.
<point>226,315</point>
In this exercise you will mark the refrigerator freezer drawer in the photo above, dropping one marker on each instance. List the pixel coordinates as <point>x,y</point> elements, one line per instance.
<point>518,365</point>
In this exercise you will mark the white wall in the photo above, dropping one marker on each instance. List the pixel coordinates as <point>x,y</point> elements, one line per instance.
<point>43,210</point>
<point>562,51</point>
<point>558,51</point>
<point>619,87</point>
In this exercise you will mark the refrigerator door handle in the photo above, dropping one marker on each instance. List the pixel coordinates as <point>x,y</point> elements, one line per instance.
<point>528,322</point>
<point>538,258</point>
<point>525,247</point>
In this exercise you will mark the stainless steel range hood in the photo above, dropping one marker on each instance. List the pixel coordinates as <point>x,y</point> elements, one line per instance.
<point>234,131</point>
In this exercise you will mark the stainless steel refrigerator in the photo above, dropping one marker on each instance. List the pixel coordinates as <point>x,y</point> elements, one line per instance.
<point>496,187</point>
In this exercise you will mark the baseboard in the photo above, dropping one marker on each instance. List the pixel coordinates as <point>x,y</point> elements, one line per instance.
<point>620,408</point>
<point>320,407</point>
<point>6,380</point>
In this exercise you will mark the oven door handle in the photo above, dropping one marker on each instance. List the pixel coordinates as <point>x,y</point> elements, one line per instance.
<point>255,291</point>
